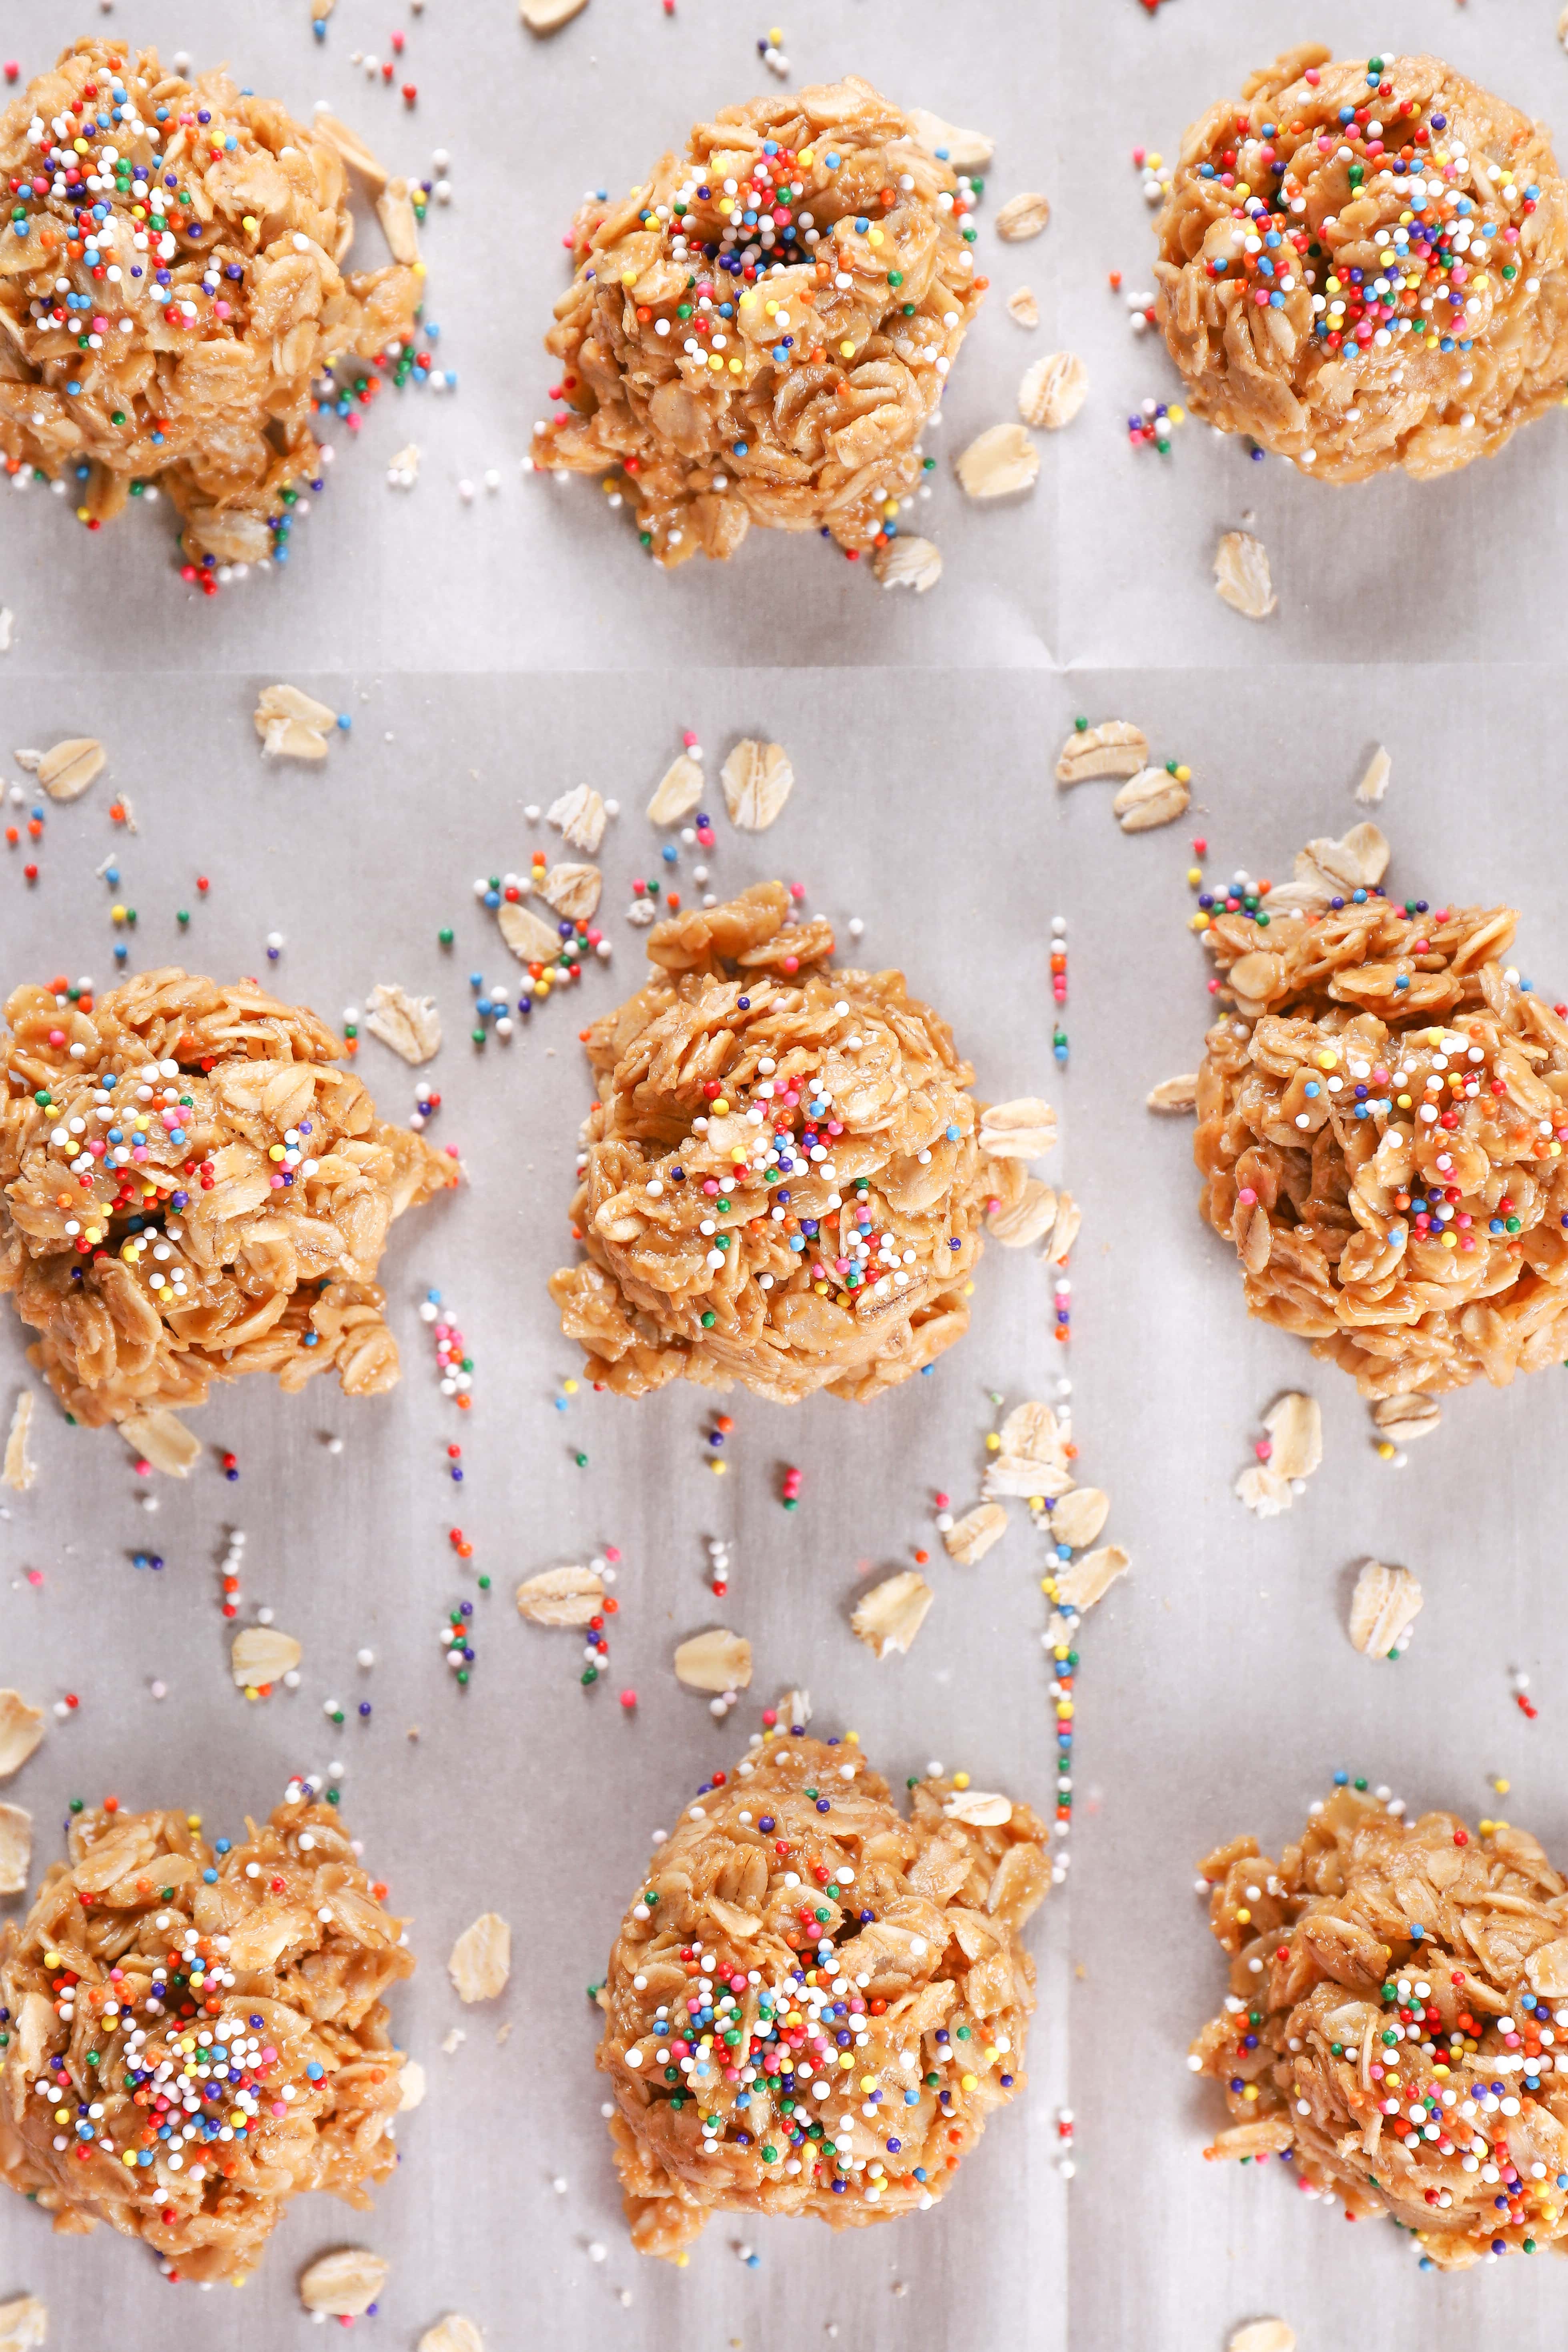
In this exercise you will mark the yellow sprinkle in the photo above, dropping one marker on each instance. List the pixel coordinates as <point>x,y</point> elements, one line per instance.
<point>716,365</point>
<point>993,1444</point>
<point>852,1739</point>
<point>772,308</point>
<point>873,237</point>
<point>51,1959</point>
<point>1197,922</point>
<point>1177,414</point>
<point>867,2081</point>
<point>1251,2090</point>
<point>1326,1059</point>
<point>117,914</point>
<point>1450,1241</point>
<point>1405,1102</point>
<point>1385,1449</point>
<point>960,1779</point>
<point>719,1468</point>
<point>969,1290</point>
<point>991,2055</point>
<point>569,1387</point>
<point>734,367</point>
<point>1183,775</point>
<point>129,2157</point>
<point>1502,1786</point>
<point>808,156</point>
<point>1486,1828</point>
<point>628,277</point>
<point>847,351</point>
<point>719,1107</point>
<point>84,514</point>
<point>1037,1502</point>
<point>249,224</point>
<point>845,2059</point>
<point>1244,1917</point>
<point>968,2082</point>
<point>275,1151</point>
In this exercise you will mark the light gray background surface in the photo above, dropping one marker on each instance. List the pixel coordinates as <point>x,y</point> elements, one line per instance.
<point>490,654</point>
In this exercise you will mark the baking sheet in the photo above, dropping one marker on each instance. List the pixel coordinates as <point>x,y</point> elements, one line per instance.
<point>491,654</point>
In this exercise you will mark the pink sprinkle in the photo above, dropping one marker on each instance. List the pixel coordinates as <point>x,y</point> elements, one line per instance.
<point>689,739</point>
<point>611,1553</point>
<point>35,1576</point>
<point>1263,1449</point>
<point>629,1699</point>
<point>1246,1196</point>
<point>143,1469</point>
<point>797,891</point>
<point>57,1036</point>
<point>942,1501</point>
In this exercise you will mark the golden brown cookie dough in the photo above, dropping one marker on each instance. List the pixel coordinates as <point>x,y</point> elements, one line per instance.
<point>1389,289</point>
<point>190,1190</point>
<point>759,332</point>
<point>783,1180</point>
<point>196,2034</point>
<point>1381,1130</point>
<point>794,1912</point>
<point>169,287</point>
<point>1390,2026</point>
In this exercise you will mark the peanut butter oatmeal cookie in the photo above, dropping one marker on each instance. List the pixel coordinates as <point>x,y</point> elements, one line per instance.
<point>1390,2026</point>
<point>198,2032</point>
<point>170,284</point>
<point>814,2005</point>
<point>759,332</point>
<point>1381,1130</point>
<point>1366,265</point>
<point>784,1178</point>
<point>189,1191</point>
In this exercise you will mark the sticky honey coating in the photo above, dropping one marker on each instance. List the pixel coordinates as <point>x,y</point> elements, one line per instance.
<point>197,2031</point>
<point>825,1242</point>
<point>191,1190</point>
<point>814,2005</point>
<point>1382,1123</point>
<point>170,284</point>
<point>1394,2019</point>
<point>1364,264</point>
<point>760,332</point>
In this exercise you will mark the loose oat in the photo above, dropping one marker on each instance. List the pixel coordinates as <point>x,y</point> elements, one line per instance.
<point>353,149</point>
<point>1295,1426</point>
<point>549,16</point>
<point>344,2285</point>
<point>15,1848</point>
<point>573,890</point>
<point>1153,797</point>
<point>562,1596</point>
<point>677,792</point>
<point>21,1728</point>
<point>1175,1093</point>
<point>945,1899</point>
<point>1032,1457</point>
<point>1022,216</point>
<point>892,1612</point>
<point>415,2083</point>
<point>1363,1898</point>
<point>395,210</point>
<point>410,1024</point>
<point>983,1809</point>
<point>1087,1580</point>
<point>757,779</point>
<point>19,1471</point>
<point>1115,748</point>
<point>1493,354</point>
<point>261,1656</point>
<point>1024,1129</point>
<point>909,563</point>
<point>1407,1415</point>
<point>999,462</point>
<point>1374,783</point>
<point>1241,575</point>
<point>1384,1605</point>
<point>1078,1517</point>
<point>480,1959</point>
<point>293,725</point>
<point>1053,391</point>
<point>1022,307</point>
<point>715,1661</point>
<point>24,2324</point>
<point>65,772</point>
<point>580,817</point>
<point>966,151</point>
<point>1027,1213</point>
<point>1263,2336</point>
<point>308,1944</point>
<point>794,1708</point>
<point>530,938</point>
<point>1064,1229</point>
<point>798,434</point>
<point>1264,1491</point>
<point>971,1538</point>
<point>456,2333</point>
<point>162,1439</point>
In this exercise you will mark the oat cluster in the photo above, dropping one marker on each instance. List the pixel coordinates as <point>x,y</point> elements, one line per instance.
<point>1380,1130</point>
<point>1391,2029</point>
<point>190,1190</point>
<point>1365,263</point>
<point>170,284</point>
<point>814,2005</point>
<point>195,2035</point>
<point>785,1179</point>
<point>759,332</point>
